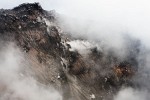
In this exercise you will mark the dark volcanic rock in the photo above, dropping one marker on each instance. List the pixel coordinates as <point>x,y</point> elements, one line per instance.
<point>36,32</point>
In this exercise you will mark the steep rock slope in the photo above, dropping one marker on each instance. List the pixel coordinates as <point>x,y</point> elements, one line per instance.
<point>94,75</point>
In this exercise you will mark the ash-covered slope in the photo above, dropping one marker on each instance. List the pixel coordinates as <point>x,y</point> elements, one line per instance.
<point>79,75</point>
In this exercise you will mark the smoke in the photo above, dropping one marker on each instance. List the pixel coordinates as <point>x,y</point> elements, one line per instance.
<point>132,94</point>
<point>107,22</point>
<point>82,46</point>
<point>15,81</point>
<point>119,26</point>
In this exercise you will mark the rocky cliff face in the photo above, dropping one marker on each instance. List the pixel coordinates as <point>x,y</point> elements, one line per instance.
<point>94,74</point>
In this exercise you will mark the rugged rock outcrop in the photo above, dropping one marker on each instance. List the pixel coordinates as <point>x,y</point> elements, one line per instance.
<point>96,75</point>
